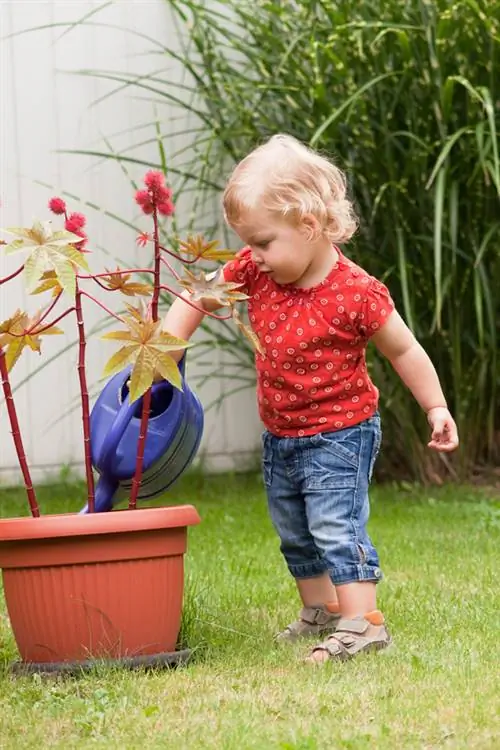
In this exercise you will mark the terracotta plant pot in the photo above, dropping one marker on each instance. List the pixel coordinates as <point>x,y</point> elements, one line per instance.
<point>106,585</point>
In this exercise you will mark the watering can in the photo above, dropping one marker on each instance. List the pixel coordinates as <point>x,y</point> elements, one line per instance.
<point>174,432</point>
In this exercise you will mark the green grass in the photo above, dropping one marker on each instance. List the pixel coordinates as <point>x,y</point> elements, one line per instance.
<point>437,688</point>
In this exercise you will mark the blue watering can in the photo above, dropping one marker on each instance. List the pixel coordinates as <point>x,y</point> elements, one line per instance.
<point>174,432</point>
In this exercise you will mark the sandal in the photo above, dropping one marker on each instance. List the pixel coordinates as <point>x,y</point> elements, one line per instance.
<point>318,620</point>
<point>352,637</point>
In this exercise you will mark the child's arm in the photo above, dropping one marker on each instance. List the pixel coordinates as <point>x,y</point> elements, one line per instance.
<point>182,320</point>
<point>396,342</point>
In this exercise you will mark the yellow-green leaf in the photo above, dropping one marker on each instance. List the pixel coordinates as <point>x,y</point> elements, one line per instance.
<point>52,331</point>
<point>34,267</point>
<point>207,250</point>
<point>66,274</point>
<point>142,374</point>
<point>119,336</point>
<point>171,343</point>
<point>14,247</point>
<point>248,332</point>
<point>14,350</point>
<point>119,360</point>
<point>168,369</point>
<point>49,283</point>
<point>75,256</point>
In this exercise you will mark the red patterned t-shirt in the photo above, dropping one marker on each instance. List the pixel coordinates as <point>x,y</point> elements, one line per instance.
<point>312,376</point>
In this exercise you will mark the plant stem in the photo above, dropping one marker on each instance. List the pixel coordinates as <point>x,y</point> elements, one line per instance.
<point>16,435</point>
<point>44,316</point>
<point>136,483</point>
<point>175,255</point>
<point>11,276</point>
<point>85,400</point>
<point>146,399</point>
<point>156,283</point>
<point>113,315</point>
<point>118,272</point>
<point>194,305</point>
<point>34,329</point>
<point>170,268</point>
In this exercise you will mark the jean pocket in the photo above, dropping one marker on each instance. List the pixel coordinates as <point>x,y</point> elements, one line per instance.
<point>343,444</point>
<point>332,464</point>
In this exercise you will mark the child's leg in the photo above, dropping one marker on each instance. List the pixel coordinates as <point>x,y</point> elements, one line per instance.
<point>357,598</point>
<point>305,562</point>
<point>319,590</point>
<point>337,468</point>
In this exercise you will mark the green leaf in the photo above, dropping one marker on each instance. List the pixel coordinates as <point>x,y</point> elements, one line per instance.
<point>119,360</point>
<point>65,273</point>
<point>169,370</point>
<point>142,374</point>
<point>34,267</point>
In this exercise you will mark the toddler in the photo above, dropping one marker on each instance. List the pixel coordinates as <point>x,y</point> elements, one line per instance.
<point>314,311</point>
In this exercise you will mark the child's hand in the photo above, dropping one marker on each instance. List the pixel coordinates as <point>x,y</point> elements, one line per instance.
<point>444,430</point>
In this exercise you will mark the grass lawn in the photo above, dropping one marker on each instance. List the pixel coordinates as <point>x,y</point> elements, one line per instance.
<point>439,686</point>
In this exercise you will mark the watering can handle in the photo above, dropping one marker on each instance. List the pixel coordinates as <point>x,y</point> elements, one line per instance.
<point>122,420</point>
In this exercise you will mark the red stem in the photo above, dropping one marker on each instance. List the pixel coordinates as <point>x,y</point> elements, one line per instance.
<point>37,330</point>
<point>44,316</point>
<point>12,276</point>
<point>179,257</point>
<point>170,268</point>
<point>85,400</point>
<point>193,304</point>
<point>146,399</point>
<point>156,283</point>
<point>16,434</point>
<point>118,272</point>
<point>86,294</point>
<point>136,483</point>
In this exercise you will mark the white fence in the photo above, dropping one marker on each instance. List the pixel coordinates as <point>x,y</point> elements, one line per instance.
<point>47,108</point>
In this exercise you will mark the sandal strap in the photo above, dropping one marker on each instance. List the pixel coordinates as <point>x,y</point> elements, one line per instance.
<point>315,616</point>
<point>349,639</point>
<point>359,626</point>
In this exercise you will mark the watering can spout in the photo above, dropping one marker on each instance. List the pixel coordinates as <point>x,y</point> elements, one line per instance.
<point>105,491</point>
<point>174,432</point>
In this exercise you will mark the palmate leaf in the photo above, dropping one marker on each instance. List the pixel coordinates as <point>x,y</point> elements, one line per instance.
<point>147,347</point>
<point>48,251</point>
<point>199,248</point>
<point>213,287</point>
<point>247,331</point>
<point>50,282</point>
<point>14,336</point>
<point>143,373</point>
<point>120,359</point>
<point>120,282</point>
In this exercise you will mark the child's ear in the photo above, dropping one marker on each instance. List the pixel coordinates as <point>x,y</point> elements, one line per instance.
<point>311,227</point>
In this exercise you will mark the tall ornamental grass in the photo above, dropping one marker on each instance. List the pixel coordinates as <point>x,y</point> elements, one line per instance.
<point>405,96</point>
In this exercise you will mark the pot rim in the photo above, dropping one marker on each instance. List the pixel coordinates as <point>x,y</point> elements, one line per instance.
<point>112,522</point>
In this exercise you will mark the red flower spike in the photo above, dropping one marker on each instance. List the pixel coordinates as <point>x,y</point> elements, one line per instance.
<point>80,245</point>
<point>154,181</point>
<point>72,226</point>
<point>57,205</point>
<point>143,238</point>
<point>167,208</point>
<point>78,220</point>
<point>142,197</point>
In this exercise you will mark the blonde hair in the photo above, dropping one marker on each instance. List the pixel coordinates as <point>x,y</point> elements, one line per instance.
<point>287,178</point>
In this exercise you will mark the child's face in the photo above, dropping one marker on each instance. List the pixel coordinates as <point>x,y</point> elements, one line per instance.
<point>279,248</point>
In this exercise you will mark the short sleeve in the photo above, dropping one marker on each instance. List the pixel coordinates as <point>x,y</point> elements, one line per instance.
<point>376,308</point>
<point>242,270</point>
